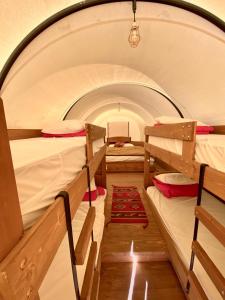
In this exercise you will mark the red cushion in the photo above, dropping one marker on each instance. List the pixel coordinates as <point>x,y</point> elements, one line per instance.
<point>175,190</point>
<point>100,191</point>
<point>64,135</point>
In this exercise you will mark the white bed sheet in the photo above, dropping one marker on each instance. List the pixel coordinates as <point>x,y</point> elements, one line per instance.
<point>58,283</point>
<point>178,217</point>
<point>210,148</point>
<point>43,167</point>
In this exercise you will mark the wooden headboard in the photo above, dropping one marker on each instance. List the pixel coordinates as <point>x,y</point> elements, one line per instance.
<point>122,139</point>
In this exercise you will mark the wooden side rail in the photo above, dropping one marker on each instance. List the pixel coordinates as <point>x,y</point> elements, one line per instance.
<point>180,131</point>
<point>18,134</point>
<point>11,226</point>
<point>211,224</point>
<point>196,291</point>
<point>24,268</point>
<point>95,286</point>
<point>93,133</point>
<point>115,139</point>
<point>191,169</point>
<point>127,151</point>
<point>84,238</point>
<point>89,273</point>
<point>219,129</point>
<point>214,274</point>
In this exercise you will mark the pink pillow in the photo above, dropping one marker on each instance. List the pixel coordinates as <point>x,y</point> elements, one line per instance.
<point>100,191</point>
<point>176,190</point>
<point>64,135</point>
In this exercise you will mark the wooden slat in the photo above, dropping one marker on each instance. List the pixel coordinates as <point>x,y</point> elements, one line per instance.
<point>188,150</point>
<point>93,133</point>
<point>95,286</point>
<point>89,273</point>
<point>219,129</point>
<point>23,270</point>
<point>215,275</point>
<point>125,151</point>
<point>196,291</point>
<point>94,163</point>
<point>100,176</point>
<point>17,134</point>
<point>84,238</point>
<point>211,224</point>
<point>11,226</point>
<point>176,161</point>
<point>180,131</point>
<point>115,139</point>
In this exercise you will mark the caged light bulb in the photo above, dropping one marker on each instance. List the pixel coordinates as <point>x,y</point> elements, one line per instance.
<point>134,36</point>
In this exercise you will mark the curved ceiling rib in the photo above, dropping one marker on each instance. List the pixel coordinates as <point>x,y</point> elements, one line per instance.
<point>90,3</point>
<point>165,97</point>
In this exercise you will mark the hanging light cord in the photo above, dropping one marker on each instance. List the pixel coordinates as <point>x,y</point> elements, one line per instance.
<point>134,6</point>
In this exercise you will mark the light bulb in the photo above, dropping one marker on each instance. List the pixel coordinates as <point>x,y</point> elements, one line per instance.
<point>134,36</point>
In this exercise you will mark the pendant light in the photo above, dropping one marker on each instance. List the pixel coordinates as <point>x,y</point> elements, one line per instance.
<point>134,36</point>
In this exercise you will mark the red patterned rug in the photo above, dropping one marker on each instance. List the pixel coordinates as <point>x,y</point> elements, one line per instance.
<point>127,206</point>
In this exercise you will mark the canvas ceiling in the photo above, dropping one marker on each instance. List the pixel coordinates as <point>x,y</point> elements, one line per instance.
<point>85,57</point>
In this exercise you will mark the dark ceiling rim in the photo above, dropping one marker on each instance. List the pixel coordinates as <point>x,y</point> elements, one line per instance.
<point>90,3</point>
<point>148,87</point>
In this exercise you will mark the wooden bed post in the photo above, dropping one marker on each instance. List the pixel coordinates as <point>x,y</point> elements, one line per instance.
<point>11,226</point>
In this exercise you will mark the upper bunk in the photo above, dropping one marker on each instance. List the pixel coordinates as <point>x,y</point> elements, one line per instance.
<point>179,146</point>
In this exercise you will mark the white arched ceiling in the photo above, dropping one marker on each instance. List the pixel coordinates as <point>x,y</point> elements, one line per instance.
<point>179,51</point>
<point>139,96</point>
<point>28,14</point>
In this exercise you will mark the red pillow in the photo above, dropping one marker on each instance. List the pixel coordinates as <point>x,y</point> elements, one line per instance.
<point>176,190</point>
<point>64,135</point>
<point>204,129</point>
<point>100,191</point>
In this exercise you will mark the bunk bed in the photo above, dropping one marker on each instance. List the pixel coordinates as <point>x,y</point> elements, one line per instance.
<point>26,251</point>
<point>127,157</point>
<point>196,251</point>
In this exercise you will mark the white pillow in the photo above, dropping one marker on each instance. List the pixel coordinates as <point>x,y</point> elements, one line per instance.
<point>174,178</point>
<point>66,126</point>
<point>170,120</point>
<point>128,145</point>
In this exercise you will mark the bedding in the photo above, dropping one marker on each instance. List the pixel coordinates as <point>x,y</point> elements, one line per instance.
<point>58,283</point>
<point>64,127</point>
<point>43,167</point>
<point>210,148</point>
<point>178,217</point>
<point>124,158</point>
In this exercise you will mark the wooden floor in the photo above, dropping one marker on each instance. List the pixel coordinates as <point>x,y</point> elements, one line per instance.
<point>148,242</point>
<point>162,283</point>
<point>151,257</point>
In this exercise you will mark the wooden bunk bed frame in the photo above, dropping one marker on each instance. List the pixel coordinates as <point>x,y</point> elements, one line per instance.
<point>186,164</point>
<point>25,256</point>
<point>125,166</point>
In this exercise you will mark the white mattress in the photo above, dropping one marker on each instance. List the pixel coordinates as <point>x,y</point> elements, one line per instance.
<point>58,283</point>
<point>178,217</point>
<point>210,148</point>
<point>43,167</point>
<point>124,158</point>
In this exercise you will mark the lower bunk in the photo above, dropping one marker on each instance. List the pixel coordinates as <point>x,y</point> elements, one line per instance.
<point>58,282</point>
<point>176,220</point>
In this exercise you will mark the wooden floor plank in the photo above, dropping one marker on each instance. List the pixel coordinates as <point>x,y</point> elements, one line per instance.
<point>162,281</point>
